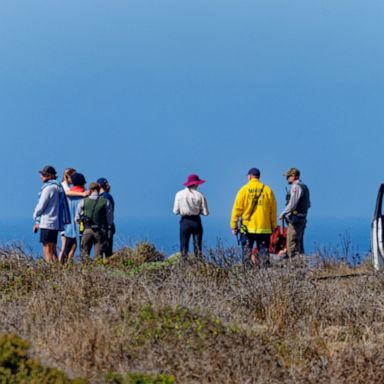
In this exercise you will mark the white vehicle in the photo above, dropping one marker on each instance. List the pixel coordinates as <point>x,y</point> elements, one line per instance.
<point>378,232</point>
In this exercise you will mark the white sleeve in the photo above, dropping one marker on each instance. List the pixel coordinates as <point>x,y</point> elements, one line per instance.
<point>79,211</point>
<point>176,205</point>
<point>205,211</point>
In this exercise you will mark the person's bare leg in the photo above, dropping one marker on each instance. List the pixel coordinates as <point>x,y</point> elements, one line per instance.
<point>49,250</point>
<point>72,252</point>
<point>46,253</point>
<point>63,238</point>
<point>253,258</point>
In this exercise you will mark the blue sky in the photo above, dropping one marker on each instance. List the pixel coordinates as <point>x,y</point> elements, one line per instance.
<point>145,92</point>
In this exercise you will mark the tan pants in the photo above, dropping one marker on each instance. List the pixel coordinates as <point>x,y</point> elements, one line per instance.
<point>295,238</point>
<point>92,238</point>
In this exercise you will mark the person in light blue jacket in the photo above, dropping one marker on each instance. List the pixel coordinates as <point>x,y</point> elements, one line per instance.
<point>71,230</point>
<point>51,212</point>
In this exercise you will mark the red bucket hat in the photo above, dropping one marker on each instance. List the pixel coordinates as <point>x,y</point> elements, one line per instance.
<point>193,180</point>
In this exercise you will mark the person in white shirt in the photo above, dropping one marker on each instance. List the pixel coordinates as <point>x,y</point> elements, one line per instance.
<point>190,204</point>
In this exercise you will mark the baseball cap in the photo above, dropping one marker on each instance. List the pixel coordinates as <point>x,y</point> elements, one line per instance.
<point>48,170</point>
<point>292,172</point>
<point>102,181</point>
<point>94,186</point>
<point>254,172</point>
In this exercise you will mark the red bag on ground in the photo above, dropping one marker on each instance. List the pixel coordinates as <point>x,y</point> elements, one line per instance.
<point>278,241</point>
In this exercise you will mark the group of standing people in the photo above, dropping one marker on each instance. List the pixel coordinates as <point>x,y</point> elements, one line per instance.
<point>68,208</point>
<point>253,218</point>
<point>88,214</point>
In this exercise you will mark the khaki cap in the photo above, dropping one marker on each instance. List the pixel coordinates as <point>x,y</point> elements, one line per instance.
<point>292,172</point>
<point>94,186</point>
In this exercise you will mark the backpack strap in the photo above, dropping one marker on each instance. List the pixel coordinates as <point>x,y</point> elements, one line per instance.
<point>254,202</point>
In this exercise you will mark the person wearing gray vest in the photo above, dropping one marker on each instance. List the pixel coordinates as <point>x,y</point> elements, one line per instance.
<point>95,212</point>
<point>295,212</point>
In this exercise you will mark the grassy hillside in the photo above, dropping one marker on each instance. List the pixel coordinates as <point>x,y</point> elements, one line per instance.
<point>139,319</point>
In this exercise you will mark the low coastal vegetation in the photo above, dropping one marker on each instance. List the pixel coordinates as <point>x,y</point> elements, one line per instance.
<point>139,317</point>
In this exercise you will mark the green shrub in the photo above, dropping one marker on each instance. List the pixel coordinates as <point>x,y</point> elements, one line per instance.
<point>175,325</point>
<point>140,378</point>
<point>17,368</point>
<point>15,281</point>
<point>143,252</point>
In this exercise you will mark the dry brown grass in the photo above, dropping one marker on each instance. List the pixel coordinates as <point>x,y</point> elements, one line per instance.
<point>201,322</point>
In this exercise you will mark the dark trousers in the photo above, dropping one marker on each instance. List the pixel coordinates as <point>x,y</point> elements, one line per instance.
<point>69,241</point>
<point>90,238</point>
<point>109,241</point>
<point>248,240</point>
<point>191,226</point>
<point>109,247</point>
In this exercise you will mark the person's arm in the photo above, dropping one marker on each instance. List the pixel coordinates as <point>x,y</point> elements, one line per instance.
<point>273,211</point>
<point>77,194</point>
<point>176,205</point>
<point>112,203</point>
<point>46,194</point>
<point>293,200</point>
<point>108,207</point>
<point>35,228</point>
<point>237,210</point>
<point>204,209</point>
<point>79,211</point>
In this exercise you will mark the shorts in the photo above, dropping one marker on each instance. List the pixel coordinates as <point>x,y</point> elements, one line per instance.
<point>48,235</point>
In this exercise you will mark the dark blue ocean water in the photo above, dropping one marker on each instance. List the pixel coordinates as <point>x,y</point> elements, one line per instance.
<point>327,234</point>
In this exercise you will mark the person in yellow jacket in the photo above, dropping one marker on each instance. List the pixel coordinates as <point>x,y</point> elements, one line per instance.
<point>255,210</point>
